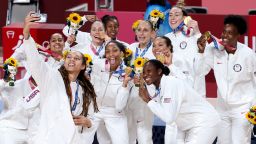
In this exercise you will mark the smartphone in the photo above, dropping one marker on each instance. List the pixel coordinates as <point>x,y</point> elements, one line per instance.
<point>36,15</point>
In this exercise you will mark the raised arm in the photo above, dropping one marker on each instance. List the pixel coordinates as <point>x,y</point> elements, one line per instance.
<point>38,68</point>
<point>205,58</point>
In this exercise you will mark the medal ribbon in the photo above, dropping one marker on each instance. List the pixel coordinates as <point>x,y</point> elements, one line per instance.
<point>76,98</point>
<point>157,93</point>
<point>143,52</point>
<point>95,51</point>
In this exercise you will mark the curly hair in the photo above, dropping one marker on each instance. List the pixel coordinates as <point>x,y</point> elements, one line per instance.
<point>88,90</point>
<point>238,21</point>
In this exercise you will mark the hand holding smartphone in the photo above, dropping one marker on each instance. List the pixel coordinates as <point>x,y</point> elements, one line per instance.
<point>36,15</point>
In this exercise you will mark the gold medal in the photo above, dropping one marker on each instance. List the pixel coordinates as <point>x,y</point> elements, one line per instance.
<point>187,19</point>
<point>207,35</point>
<point>160,56</point>
<point>128,71</point>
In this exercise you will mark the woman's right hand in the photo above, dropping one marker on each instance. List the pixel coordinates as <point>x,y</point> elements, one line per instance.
<point>201,43</point>
<point>29,20</point>
<point>71,39</point>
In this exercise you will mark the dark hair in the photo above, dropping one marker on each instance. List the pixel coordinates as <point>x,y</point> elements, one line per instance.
<point>238,21</point>
<point>106,18</point>
<point>121,47</point>
<point>58,34</point>
<point>88,90</point>
<point>158,65</point>
<point>168,42</point>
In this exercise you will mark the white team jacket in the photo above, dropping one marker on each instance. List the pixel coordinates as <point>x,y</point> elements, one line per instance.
<point>187,50</point>
<point>56,124</point>
<point>179,103</point>
<point>148,54</point>
<point>235,75</point>
<point>109,91</point>
<point>14,116</point>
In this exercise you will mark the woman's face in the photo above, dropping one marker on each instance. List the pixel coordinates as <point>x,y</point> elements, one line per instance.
<point>151,74</point>
<point>113,54</point>
<point>56,43</point>
<point>97,32</point>
<point>160,50</point>
<point>74,62</point>
<point>144,32</point>
<point>175,17</point>
<point>230,35</point>
<point>159,45</point>
<point>112,28</point>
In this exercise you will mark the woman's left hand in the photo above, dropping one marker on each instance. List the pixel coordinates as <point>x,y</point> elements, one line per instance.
<point>82,121</point>
<point>126,80</point>
<point>194,24</point>
<point>143,93</point>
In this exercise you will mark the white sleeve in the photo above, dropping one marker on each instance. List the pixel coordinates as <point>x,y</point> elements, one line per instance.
<point>169,107</point>
<point>204,62</point>
<point>19,54</point>
<point>252,72</point>
<point>67,46</point>
<point>2,85</point>
<point>36,65</point>
<point>81,37</point>
<point>122,97</point>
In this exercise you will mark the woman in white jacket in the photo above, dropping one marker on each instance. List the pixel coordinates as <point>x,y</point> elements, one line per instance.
<point>23,100</point>
<point>175,101</point>
<point>186,45</point>
<point>235,73</point>
<point>163,51</point>
<point>140,118</point>
<point>14,118</point>
<point>67,97</point>
<point>112,87</point>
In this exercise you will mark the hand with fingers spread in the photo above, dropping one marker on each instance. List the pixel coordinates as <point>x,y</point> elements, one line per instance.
<point>29,20</point>
<point>82,121</point>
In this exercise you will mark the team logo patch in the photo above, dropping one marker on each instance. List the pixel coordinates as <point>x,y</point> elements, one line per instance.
<point>183,45</point>
<point>237,67</point>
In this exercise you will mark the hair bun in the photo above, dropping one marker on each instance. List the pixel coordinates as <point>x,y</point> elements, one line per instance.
<point>166,70</point>
<point>180,3</point>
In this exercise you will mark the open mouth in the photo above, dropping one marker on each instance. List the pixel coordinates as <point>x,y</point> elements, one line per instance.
<point>112,61</point>
<point>71,65</point>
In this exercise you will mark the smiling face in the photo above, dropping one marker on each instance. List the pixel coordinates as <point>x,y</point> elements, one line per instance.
<point>159,45</point>
<point>97,32</point>
<point>144,32</point>
<point>113,55</point>
<point>175,17</point>
<point>230,35</point>
<point>57,43</point>
<point>74,62</point>
<point>151,75</point>
<point>112,27</point>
